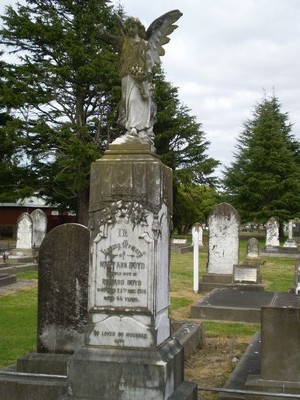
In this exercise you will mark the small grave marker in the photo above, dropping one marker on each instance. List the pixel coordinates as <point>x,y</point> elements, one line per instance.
<point>245,274</point>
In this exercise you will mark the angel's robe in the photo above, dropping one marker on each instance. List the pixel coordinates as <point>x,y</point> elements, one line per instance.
<point>135,110</point>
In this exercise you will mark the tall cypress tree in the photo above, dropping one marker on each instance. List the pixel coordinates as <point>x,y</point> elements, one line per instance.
<point>180,140</point>
<point>64,88</point>
<point>264,179</point>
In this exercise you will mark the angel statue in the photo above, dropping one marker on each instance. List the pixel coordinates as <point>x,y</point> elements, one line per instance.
<point>140,51</point>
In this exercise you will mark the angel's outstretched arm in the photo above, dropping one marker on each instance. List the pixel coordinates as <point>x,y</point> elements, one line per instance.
<point>115,41</point>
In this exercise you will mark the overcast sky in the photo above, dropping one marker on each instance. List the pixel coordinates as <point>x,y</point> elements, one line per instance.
<point>224,56</point>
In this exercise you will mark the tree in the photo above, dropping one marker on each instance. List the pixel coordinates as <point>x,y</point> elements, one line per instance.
<point>264,179</point>
<point>65,90</point>
<point>193,204</point>
<point>11,152</point>
<point>179,139</point>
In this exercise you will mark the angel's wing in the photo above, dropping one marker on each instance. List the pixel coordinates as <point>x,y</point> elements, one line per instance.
<point>158,32</point>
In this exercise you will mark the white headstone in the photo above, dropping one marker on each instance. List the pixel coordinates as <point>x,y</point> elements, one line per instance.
<point>252,248</point>
<point>24,232</point>
<point>39,220</point>
<point>197,234</point>
<point>223,245</point>
<point>272,233</point>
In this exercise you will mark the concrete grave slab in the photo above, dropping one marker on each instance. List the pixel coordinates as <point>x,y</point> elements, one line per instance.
<point>232,304</point>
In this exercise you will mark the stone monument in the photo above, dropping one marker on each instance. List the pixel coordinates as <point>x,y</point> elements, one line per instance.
<point>128,352</point>
<point>24,238</point>
<point>272,233</point>
<point>39,221</point>
<point>24,232</point>
<point>252,248</point>
<point>290,242</point>
<point>62,317</point>
<point>280,341</point>
<point>62,290</point>
<point>223,247</point>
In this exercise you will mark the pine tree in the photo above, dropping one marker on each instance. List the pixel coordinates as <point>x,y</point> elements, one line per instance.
<point>264,179</point>
<point>180,140</point>
<point>65,90</point>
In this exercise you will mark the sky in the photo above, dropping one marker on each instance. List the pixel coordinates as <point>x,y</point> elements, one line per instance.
<point>224,57</point>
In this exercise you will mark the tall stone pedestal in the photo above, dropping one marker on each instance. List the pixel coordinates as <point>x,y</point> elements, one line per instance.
<point>128,352</point>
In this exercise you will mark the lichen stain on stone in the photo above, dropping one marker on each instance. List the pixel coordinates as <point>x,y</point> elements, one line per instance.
<point>225,210</point>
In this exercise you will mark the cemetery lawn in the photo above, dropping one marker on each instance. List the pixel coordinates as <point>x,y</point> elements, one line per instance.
<point>224,342</point>
<point>17,325</point>
<point>210,366</point>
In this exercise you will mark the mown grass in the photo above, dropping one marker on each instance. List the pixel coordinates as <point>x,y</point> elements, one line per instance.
<point>277,275</point>
<point>18,325</point>
<point>18,312</point>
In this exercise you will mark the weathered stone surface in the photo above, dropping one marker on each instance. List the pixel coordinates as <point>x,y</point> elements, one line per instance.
<point>63,280</point>
<point>131,197</point>
<point>24,232</point>
<point>252,248</point>
<point>29,387</point>
<point>39,220</point>
<point>126,374</point>
<point>272,233</point>
<point>128,352</point>
<point>281,343</point>
<point>223,242</point>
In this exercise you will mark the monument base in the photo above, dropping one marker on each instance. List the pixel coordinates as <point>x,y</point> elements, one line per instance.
<point>7,279</point>
<point>43,363</point>
<point>211,281</point>
<point>129,374</point>
<point>256,383</point>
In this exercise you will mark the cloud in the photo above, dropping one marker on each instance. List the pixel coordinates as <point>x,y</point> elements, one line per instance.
<point>224,56</point>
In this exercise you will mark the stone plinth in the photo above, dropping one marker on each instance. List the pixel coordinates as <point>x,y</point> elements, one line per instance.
<point>128,352</point>
<point>280,341</point>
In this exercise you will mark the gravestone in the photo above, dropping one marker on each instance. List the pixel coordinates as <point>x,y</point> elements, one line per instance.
<point>280,342</point>
<point>290,242</point>
<point>24,232</point>
<point>39,220</point>
<point>272,233</point>
<point>197,231</point>
<point>252,248</point>
<point>62,289</point>
<point>223,245</point>
<point>296,229</point>
<point>246,274</point>
<point>129,352</point>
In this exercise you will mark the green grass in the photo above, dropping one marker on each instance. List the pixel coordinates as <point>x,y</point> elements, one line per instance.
<point>18,312</point>
<point>28,275</point>
<point>213,328</point>
<point>18,324</point>
<point>178,302</point>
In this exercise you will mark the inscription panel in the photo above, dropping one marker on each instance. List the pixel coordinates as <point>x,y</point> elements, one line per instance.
<point>245,274</point>
<point>121,331</point>
<point>122,273</point>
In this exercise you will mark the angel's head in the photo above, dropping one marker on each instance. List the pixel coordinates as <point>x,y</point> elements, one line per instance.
<point>134,26</point>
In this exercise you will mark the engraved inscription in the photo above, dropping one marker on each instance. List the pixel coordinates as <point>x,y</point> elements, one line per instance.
<point>245,274</point>
<point>122,273</point>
